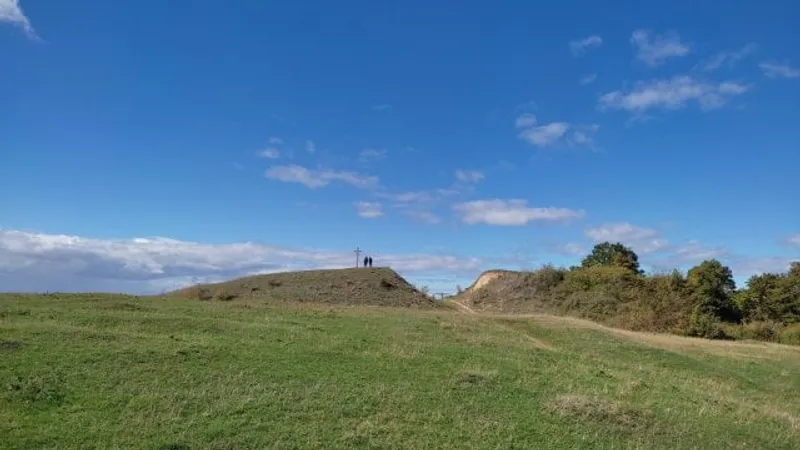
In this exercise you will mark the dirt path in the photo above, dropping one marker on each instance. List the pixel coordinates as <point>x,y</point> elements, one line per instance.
<point>464,308</point>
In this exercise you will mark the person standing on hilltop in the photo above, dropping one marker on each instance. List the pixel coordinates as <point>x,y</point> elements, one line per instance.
<point>370,261</point>
<point>366,261</point>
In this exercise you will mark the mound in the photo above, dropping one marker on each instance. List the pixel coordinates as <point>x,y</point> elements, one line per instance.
<point>380,286</point>
<point>509,291</point>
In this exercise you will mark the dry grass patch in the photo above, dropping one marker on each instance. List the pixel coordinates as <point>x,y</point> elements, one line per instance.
<point>596,409</point>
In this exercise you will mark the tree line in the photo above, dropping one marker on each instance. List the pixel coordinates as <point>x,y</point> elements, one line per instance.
<point>609,286</point>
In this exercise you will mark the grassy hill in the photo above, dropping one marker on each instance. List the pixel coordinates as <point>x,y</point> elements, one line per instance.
<point>364,286</point>
<point>104,372</point>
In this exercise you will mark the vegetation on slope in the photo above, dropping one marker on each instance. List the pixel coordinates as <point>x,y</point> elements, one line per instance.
<point>364,286</point>
<point>100,372</point>
<point>609,287</point>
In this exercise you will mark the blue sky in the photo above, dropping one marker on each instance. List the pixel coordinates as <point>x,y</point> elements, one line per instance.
<point>149,144</point>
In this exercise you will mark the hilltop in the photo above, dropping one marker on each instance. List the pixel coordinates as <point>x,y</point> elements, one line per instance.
<point>362,286</point>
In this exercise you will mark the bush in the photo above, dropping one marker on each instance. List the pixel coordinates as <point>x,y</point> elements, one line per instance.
<point>762,331</point>
<point>791,334</point>
<point>203,294</point>
<point>596,305</point>
<point>546,278</point>
<point>706,326</point>
<point>224,295</point>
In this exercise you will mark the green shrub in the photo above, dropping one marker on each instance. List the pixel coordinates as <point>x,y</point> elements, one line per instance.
<point>763,331</point>
<point>791,334</point>
<point>546,278</point>
<point>706,326</point>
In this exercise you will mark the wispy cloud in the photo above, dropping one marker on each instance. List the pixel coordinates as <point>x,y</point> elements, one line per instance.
<point>416,199</point>
<point>569,249</point>
<point>525,121</point>
<point>514,212</point>
<point>695,252</point>
<point>11,12</point>
<point>727,58</point>
<point>369,210</point>
<point>469,176</point>
<point>654,50</point>
<point>553,133</point>
<point>779,70</point>
<point>580,46</point>
<point>270,153</point>
<point>382,108</point>
<point>46,262</point>
<point>642,240</point>
<point>314,179</point>
<point>423,216</point>
<point>794,240</point>
<point>671,94</point>
<point>275,141</point>
<point>588,79</point>
<point>372,154</point>
<point>311,147</point>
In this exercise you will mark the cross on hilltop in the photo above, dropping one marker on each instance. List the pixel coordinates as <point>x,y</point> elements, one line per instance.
<point>367,259</point>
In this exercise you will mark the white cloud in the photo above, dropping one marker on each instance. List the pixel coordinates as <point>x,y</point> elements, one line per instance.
<point>372,154</point>
<point>570,249</point>
<point>544,135</point>
<point>588,79</point>
<point>642,240</point>
<point>271,153</point>
<point>671,94</point>
<point>777,70</point>
<point>424,217</point>
<point>794,240</point>
<point>727,58</point>
<point>382,108</point>
<point>417,199</point>
<point>311,147</point>
<point>275,141</point>
<point>36,262</point>
<point>469,176</point>
<point>407,197</point>
<point>319,178</point>
<point>525,121</point>
<point>653,50</point>
<point>580,46</point>
<point>695,252</point>
<point>550,134</point>
<point>514,212</point>
<point>11,12</point>
<point>369,210</point>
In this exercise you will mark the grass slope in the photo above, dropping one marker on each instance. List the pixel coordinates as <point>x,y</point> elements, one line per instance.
<point>378,286</point>
<point>106,372</point>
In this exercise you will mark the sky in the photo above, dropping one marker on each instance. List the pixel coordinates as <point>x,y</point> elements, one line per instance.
<point>146,145</point>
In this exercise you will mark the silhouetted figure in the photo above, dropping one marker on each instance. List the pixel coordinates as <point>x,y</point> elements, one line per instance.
<point>370,261</point>
<point>366,261</point>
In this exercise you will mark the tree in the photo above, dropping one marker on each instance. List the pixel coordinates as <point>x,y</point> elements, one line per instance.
<point>607,254</point>
<point>712,287</point>
<point>794,269</point>
<point>773,297</point>
<point>757,302</point>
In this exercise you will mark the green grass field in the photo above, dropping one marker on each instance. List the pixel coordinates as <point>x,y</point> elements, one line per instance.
<point>107,372</point>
